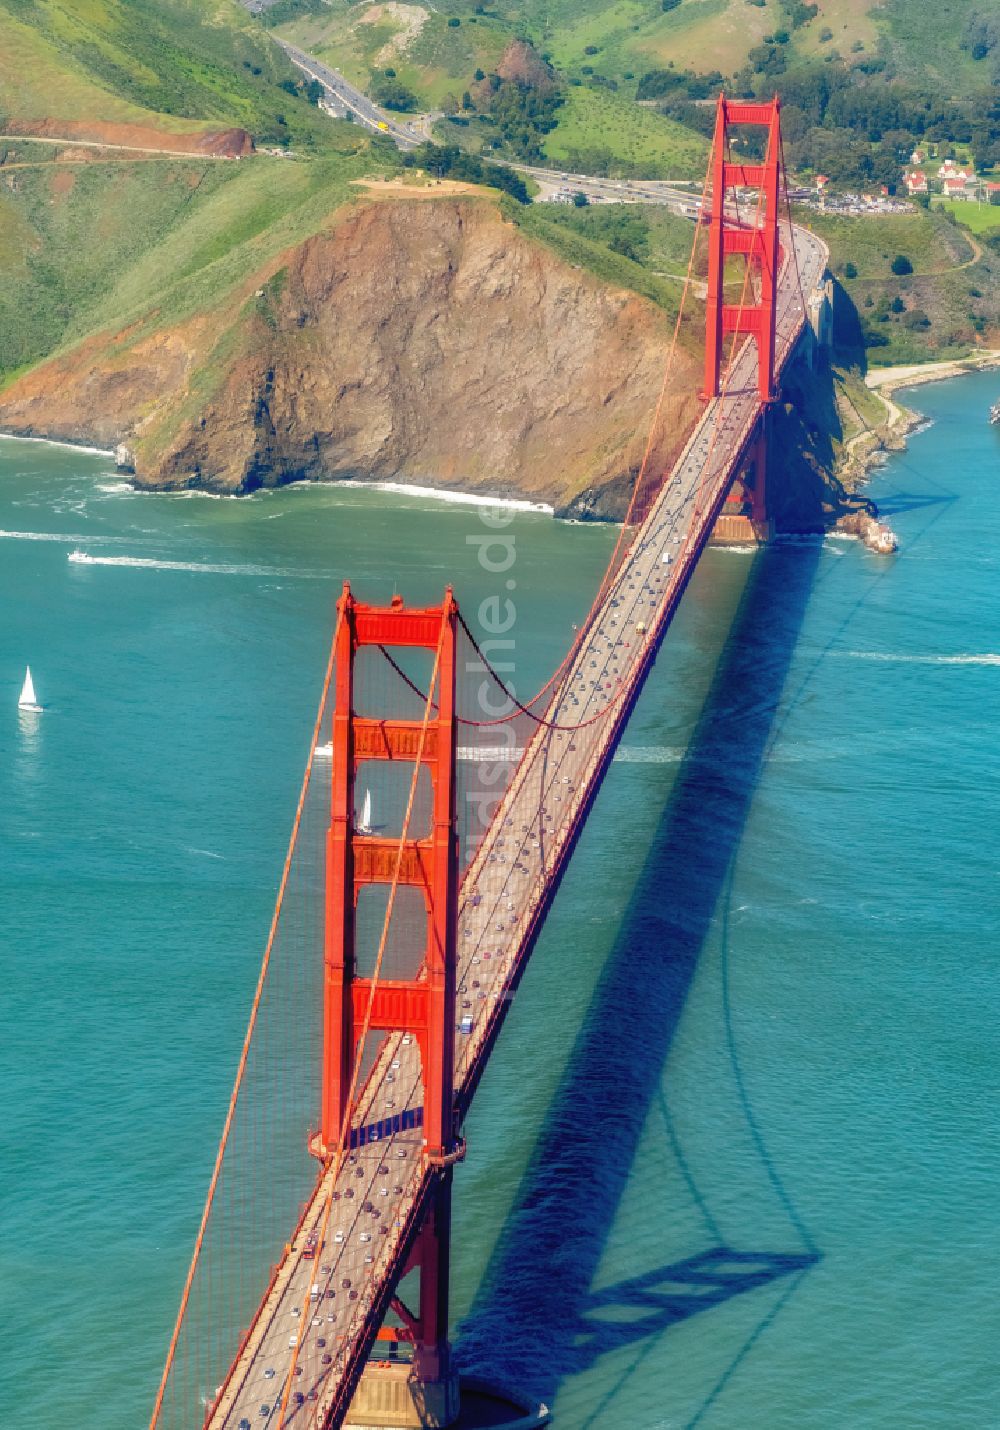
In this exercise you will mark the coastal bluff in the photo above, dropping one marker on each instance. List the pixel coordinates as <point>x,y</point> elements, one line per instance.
<point>421,339</point>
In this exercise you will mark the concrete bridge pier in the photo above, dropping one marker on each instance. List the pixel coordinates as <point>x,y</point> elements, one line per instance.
<point>390,1398</point>
<point>744,519</point>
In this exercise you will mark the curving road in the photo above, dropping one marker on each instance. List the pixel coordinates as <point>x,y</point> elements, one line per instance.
<point>408,133</point>
<point>381,1189</point>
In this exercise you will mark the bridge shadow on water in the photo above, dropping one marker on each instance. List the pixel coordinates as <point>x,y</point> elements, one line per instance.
<point>537,1319</point>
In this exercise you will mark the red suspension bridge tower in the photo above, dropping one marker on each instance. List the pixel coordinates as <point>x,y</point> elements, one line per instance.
<point>422,1007</point>
<point>754,236</point>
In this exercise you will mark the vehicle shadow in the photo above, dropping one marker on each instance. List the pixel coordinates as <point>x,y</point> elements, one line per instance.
<point>537,1317</point>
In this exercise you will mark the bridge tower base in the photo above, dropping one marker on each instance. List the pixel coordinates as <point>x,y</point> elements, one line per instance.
<point>744,519</point>
<point>386,1401</point>
<point>392,1397</point>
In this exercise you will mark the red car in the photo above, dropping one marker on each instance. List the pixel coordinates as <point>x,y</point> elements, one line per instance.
<point>311,1247</point>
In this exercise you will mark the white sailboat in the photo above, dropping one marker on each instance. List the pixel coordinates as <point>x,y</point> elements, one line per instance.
<point>27,700</point>
<point>365,824</point>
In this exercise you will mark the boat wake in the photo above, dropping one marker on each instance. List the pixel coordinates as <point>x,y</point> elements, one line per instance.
<point>59,536</point>
<point>147,563</point>
<point>648,755</point>
<point>986,658</point>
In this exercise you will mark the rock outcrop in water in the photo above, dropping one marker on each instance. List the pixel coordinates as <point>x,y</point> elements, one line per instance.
<point>424,340</point>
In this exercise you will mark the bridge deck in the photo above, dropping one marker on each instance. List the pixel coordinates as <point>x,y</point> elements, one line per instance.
<point>379,1192</point>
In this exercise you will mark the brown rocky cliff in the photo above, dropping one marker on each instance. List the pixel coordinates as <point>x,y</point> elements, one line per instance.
<point>422,340</point>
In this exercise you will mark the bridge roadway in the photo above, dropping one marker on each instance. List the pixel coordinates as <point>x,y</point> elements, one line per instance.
<point>333,1303</point>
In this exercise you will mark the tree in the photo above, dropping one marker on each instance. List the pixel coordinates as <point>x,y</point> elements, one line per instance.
<point>580,200</point>
<point>901,265</point>
<point>440,160</point>
<point>391,94</point>
<point>850,270</point>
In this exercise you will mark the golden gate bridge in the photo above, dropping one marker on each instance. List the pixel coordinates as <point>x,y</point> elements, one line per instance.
<point>395,949</point>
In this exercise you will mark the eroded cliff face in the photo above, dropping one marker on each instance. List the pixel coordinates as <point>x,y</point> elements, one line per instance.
<point>415,339</point>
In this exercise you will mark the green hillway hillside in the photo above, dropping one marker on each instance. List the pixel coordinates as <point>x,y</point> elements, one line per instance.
<point>902,61</point>
<point>173,65</point>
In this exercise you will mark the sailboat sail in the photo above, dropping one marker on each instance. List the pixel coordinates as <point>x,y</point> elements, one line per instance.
<point>27,699</point>
<point>366,812</point>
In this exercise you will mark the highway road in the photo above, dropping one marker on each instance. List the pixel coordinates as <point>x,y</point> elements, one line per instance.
<point>320,1306</point>
<point>408,133</point>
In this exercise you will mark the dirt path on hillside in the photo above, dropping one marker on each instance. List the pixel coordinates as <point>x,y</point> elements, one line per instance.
<point>98,144</point>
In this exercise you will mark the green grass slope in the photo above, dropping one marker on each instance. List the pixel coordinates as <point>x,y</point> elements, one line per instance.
<point>92,248</point>
<point>946,307</point>
<point>173,65</point>
<point>616,37</point>
<point>604,133</point>
<point>89,247</point>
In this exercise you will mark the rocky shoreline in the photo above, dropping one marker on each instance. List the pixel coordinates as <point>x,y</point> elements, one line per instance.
<point>871,448</point>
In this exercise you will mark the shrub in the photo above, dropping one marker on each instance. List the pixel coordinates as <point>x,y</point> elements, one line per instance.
<point>454,22</point>
<point>916,318</point>
<point>901,265</point>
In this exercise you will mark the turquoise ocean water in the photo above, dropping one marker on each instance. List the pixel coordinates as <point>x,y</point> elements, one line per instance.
<point>735,1162</point>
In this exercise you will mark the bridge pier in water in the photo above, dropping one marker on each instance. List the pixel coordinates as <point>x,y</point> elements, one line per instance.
<point>745,519</point>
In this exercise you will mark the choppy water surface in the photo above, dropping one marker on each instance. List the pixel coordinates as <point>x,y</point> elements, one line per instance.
<point>734,1163</point>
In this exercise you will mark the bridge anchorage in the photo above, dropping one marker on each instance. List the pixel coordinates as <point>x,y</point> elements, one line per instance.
<point>427,847</point>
